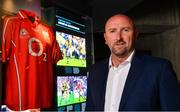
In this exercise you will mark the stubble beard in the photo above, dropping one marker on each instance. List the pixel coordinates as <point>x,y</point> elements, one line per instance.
<point>120,49</point>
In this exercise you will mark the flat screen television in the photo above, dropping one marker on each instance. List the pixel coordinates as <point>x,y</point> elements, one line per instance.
<point>73,49</point>
<point>71,90</point>
<point>70,34</point>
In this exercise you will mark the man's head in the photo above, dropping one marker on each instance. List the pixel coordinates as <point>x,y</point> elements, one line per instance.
<point>120,35</point>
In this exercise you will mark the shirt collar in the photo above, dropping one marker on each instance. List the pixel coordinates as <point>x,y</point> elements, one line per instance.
<point>128,60</point>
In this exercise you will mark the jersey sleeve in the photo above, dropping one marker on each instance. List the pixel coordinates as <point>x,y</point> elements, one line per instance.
<point>6,38</point>
<point>56,52</point>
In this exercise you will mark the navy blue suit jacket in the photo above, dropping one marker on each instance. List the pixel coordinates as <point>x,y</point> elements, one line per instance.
<point>151,85</point>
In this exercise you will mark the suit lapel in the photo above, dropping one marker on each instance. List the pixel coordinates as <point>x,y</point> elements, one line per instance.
<point>104,75</point>
<point>134,73</point>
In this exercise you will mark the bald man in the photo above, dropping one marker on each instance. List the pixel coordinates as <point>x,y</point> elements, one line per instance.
<point>129,80</point>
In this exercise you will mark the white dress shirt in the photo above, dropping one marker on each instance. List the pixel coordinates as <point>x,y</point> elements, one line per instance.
<point>115,83</point>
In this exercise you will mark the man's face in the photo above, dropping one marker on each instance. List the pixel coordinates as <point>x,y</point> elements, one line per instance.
<point>120,35</point>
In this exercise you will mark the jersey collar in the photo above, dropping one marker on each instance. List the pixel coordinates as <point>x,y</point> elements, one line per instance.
<point>25,14</point>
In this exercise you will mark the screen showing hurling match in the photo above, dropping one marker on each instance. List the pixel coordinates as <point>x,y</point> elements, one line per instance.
<point>73,49</point>
<point>71,90</point>
<point>70,34</point>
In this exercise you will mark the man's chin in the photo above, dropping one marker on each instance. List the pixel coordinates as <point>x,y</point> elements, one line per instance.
<point>120,52</point>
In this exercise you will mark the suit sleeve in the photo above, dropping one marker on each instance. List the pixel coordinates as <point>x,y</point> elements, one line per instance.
<point>169,89</point>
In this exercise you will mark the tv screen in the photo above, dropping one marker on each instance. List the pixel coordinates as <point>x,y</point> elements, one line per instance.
<point>71,90</point>
<point>70,34</point>
<point>73,49</point>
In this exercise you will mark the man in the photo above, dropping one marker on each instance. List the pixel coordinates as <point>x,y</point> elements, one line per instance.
<point>129,80</point>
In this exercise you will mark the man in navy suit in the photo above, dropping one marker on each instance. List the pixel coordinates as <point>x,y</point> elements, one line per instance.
<point>129,80</point>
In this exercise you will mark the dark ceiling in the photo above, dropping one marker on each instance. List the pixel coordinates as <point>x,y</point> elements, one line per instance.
<point>100,10</point>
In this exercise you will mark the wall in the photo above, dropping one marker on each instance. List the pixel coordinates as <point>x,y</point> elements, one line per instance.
<point>13,6</point>
<point>163,37</point>
<point>103,9</point>
<point>165,44</point>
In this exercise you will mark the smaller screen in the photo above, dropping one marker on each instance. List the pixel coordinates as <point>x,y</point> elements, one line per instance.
<point>71,90</point>
<point>73,49</point>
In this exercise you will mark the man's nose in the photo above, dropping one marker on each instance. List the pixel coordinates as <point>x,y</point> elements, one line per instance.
<point>119,35</point>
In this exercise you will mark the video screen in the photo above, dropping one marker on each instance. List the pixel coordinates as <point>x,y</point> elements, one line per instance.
<point>71,36</point>
<point>73,49</point>
<point>71,90</point>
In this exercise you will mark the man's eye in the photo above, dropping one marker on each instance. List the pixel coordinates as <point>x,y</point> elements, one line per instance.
<point>127,30</point>
<point>112,31</point>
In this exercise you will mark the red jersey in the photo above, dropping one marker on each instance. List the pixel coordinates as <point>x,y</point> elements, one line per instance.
<point>29,50</point>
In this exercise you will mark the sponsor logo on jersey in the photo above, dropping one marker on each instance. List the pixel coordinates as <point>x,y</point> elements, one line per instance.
<point>35,47</point>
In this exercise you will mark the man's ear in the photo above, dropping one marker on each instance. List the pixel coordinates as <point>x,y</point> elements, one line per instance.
<point>136,34</point>
<point>105,37</point>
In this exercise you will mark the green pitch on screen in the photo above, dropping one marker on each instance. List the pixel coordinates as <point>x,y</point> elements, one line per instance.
<point>72,62</point>
<point>70,100</point>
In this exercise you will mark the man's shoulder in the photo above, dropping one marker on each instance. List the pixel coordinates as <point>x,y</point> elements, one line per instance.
<point>151,59</point>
